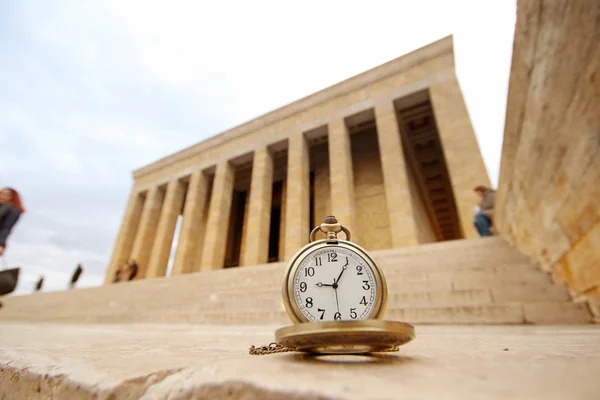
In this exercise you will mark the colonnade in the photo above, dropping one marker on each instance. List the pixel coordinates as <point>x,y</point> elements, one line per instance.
<point>150,219</point>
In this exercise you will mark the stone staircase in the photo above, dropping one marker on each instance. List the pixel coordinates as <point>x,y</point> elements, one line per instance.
<point>478,281</point>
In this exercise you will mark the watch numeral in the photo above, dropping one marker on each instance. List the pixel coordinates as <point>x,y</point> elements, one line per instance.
<point>359,269</point>
<point>318,262</point>
<point>353,313</point>
<point>337,316</point>
<point>363,301</point>
<point>309,302</point>
<point>322,312</point>
<point>303,287</point>
<point>366,285</point>
<point>310,271</point>
<point>332,257</point>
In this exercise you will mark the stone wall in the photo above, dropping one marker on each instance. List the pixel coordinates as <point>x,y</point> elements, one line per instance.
<point>549,187</point>
<point>423,224</point>
<point>372,217</point>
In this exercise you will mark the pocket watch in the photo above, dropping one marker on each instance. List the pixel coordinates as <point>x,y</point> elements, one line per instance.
<point>335,294</point>
<point>333,280</point>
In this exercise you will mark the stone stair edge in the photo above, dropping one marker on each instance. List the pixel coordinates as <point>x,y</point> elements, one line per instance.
<point>442,316</point>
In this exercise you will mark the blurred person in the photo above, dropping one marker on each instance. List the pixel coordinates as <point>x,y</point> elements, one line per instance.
<point>133,269</point>
<point>117,277</point>
<point>11,208</point>
<point>39,284</point>
<point>484,214</point>
<point>75,276</point>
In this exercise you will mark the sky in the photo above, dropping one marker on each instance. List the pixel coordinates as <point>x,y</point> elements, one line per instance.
<point>92,90</point>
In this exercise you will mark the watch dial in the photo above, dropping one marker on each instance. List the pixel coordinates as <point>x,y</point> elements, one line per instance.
<point>335,284</point>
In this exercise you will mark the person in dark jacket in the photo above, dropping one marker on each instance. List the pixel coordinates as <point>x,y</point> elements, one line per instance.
<point>11,209</point>
<point>75,276</point>
<point>39,284</point>
<point>483,220</point>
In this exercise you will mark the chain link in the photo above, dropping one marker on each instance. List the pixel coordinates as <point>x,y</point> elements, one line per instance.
<point>270,349</point>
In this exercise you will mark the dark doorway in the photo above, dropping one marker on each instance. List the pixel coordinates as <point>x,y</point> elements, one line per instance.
<point>275,228</point>
<point>234,237</point>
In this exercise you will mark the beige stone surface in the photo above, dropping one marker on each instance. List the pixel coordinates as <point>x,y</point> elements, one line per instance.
<point>322,186</point>
<point>283,220</point>
<point>214,246</point>
<point>583,262</point>
<point>126,236</point>
<point>425,230</point>
<point>191,236</point>
<point>372,220</point>
<point>397,191</point>
<point>341,176</point>
<point>165,231</point>
<point>146,232</point>
<point>38,361</point>
<point>548,201</point>
<point>256,246</point>
<point>297,195</point>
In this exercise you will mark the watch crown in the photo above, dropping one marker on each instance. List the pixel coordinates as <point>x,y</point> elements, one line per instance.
<point>331,227</point>
<point>330,219</point>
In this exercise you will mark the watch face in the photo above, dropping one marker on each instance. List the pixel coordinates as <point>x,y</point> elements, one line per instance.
<point>335,283</point>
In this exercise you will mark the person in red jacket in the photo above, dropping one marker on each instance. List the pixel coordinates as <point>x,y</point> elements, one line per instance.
<point>11,208</point>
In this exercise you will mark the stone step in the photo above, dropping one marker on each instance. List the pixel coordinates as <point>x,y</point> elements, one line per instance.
<point>266,300</point>
<point>272,277</point>
<point>409,283</point>
<point>532,313</point>
<point>470,291</point>
<point>495,242</point>
<point>420,307</point>
<point>557,313</point>
<point>391,268</point>
<point>426,289</point>
<point>495,253</point>
<point>466,255</point>
<point>276,270</point>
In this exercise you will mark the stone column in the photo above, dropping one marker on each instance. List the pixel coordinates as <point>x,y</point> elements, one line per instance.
<point>282,210</point>
<point>461,150</point>
<point>242,250</point>
<point>215,240</point>
<point>397,190</point>
<point>256,246</point>
<point>126,236</point>
<point>341,176</point>
<point>142,247</point>
<point>189,248</point>
<point>161,250</point>
<point>297,209</point>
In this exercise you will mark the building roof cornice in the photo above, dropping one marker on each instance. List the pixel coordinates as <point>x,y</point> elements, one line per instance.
<point>430,51</point>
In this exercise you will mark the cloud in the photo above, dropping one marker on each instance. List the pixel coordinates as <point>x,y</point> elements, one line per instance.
<point>90,91</point>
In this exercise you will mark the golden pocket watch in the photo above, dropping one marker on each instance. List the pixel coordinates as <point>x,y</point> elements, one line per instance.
<point>335,294</point>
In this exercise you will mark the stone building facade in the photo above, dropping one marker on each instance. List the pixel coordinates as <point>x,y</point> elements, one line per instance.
<point>390,152</point>
<point>548,203</point>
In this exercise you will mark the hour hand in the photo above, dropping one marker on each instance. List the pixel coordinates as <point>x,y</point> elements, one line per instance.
<point>319,284</point>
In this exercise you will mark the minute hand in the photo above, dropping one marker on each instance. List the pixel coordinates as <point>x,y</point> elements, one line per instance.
<point>341,273</point>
